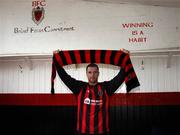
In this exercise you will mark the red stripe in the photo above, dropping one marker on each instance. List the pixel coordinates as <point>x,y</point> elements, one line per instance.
<point>68,58</point>
<point>98,56</point>
<point>132,75</point>
<point>133,99</point>
<point>145,99</point>
<point>100,114</point>
<point>87,56</point>
<point>38,99</point>
<point>107,56</point>
<point>58,58</point>
<point>92,110</point>
<point>84,114</point>
<point>116,59</point>
<point>77,56</point>
<point>129,66</point>
<point>125,60</point>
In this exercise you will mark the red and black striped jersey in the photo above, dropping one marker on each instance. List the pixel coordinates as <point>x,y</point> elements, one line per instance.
<point>93,111</point>
<point>93,101</point>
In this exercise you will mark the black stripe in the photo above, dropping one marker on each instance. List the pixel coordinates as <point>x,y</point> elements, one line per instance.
<point>82,55</point>
<point>72,56</point>
<point>56,64</point>
<point>81,108</point>
<point>132,83</point>
<point>55,61</point>
<point>102,60</point>
<point>61,54</point>
<point>92,56</point>
<point>128,62</point>
<point>88,115</point>
<point>121,59</point>
<point>104,109</point>
<point>131,70</point>
<point>96,111</point>
<point>113,54</point>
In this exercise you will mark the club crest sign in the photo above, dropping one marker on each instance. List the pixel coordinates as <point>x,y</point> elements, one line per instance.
<point>38,11</point>
<point>38,15</point>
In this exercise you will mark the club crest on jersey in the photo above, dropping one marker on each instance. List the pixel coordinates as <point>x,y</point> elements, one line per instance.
<point>38,14</point>
<point>100,93</point>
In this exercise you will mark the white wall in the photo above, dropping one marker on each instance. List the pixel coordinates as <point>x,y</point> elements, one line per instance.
<point>16,76</point>
<point>178,28</point>
<point>96,26</point>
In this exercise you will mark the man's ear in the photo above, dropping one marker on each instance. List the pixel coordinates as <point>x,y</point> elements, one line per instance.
<point>86,73</point>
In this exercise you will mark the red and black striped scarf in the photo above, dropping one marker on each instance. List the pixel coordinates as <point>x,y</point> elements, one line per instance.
<point>113,57</point>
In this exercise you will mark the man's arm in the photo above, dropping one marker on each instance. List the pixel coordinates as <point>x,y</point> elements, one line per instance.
<point>73,84</point>
<point>112,85</point>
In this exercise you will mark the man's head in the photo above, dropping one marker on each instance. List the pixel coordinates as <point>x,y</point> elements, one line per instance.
<point>92,72</point>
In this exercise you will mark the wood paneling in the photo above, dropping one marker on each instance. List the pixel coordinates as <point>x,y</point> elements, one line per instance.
<point>124,120</point>
<point>16,76</point>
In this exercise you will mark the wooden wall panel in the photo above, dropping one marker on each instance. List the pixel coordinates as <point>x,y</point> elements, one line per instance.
<point>18,77</point>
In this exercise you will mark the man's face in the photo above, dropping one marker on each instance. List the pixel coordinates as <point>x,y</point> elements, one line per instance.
<point>92,75</point>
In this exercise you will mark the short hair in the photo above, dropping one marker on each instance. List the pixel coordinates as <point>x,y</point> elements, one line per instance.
<point>92,65</point>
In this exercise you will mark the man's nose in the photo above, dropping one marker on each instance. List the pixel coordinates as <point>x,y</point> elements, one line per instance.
<point>94,74</point>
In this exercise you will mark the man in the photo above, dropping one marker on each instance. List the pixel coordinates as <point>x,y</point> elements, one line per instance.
<point>93,98</point>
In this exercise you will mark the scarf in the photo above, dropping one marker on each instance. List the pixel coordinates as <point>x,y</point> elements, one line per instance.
<point>113,57</point>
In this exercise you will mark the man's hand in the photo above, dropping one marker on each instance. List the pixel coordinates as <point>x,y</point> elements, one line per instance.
<point>56,51</point>
<point>125,51</point>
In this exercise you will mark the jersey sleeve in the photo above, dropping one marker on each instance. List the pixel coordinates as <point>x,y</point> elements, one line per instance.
<point>112,85</point>
<point>73,84</point>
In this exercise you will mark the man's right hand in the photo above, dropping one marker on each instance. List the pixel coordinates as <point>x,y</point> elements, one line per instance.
<point>125,51</point>
<point>56,51</point>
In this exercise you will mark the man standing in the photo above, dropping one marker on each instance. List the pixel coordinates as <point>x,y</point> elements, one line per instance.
<point>93,98</point>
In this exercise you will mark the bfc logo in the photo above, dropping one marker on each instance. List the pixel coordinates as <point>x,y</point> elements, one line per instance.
<point>38,11</point>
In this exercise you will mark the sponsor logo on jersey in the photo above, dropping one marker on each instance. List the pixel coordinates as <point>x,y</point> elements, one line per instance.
<point>89,101</point>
